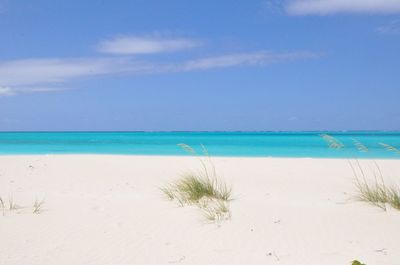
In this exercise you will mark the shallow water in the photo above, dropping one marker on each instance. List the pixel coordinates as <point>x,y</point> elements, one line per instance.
<point>253,144</point>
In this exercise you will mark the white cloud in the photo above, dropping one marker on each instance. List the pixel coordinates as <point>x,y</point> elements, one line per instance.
<point>253,58</point>
<point>6,91</point>
<point>145,45</point>
<point>44,71</point>
<point>45,75</point>
<point>326,7</point>
<point>12,91</point>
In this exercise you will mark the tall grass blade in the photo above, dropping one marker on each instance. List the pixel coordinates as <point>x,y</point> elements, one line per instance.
<point>3,206</point>
<point>204,189</point>
<point>360,146</point>
<point>377,192</point>
<point>332,142</point>
<point>390,148</point>
<point>38,206</point>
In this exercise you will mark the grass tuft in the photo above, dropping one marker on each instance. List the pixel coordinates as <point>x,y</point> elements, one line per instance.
<point>3,206</point>
<point>191,188</point>
<point>394,197</point>
<point>203,189</point>
<point>216,211</point>
<point>376,193</point>
<point>38,206</point>
<point>12,205</point>
<point>169,192</point>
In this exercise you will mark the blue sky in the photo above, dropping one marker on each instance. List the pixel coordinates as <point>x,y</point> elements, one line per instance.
<point>200,65</point>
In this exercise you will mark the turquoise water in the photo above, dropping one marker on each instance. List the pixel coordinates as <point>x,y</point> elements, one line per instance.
<point>257,144</point>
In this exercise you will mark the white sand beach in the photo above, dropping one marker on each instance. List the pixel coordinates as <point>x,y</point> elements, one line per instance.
<point>108,209</point>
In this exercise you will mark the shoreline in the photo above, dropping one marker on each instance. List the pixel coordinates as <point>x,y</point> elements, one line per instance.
<point>194,156</point>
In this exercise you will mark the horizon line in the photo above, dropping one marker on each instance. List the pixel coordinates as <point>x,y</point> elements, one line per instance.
<point>198,131</point>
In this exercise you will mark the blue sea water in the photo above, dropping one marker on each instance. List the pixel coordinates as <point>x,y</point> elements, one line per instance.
<point>252,144</point>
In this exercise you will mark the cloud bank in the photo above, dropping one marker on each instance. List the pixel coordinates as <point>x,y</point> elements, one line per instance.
<point>327,7</point>
<point>37,75</point>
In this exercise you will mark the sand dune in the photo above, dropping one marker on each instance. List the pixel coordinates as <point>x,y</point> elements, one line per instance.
<point>102,209</point>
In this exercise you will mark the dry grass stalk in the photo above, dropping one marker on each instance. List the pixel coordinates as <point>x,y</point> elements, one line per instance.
<point>332,141</point>
<point>203,189</point>
<point>360,146</point>
<point>390,148</point>
<point>377,192</point>
<point>38,206</point>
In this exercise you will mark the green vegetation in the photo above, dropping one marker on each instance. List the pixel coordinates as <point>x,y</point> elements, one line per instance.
<point>191,188</point>
<point>376,193</point>
<point>203,189</point>
<point>356,262</point>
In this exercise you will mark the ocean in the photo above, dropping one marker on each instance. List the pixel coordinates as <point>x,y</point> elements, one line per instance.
<point>249,144</point>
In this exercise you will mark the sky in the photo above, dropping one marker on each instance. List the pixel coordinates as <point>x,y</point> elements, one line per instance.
<point>178,65</point>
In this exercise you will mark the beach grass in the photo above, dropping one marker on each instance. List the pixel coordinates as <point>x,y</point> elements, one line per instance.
<point>12,205</point>
<point>332,142</point>
<point>191,188</point>
<point>168,192</point>
<point>390,148</point>
<point>360,146</point>
<point>210,195</point>
<point>201,188</point>
<point>216,211</point>
<point>3,206</point>
<point>38,206</point>
<point>377,192</point>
